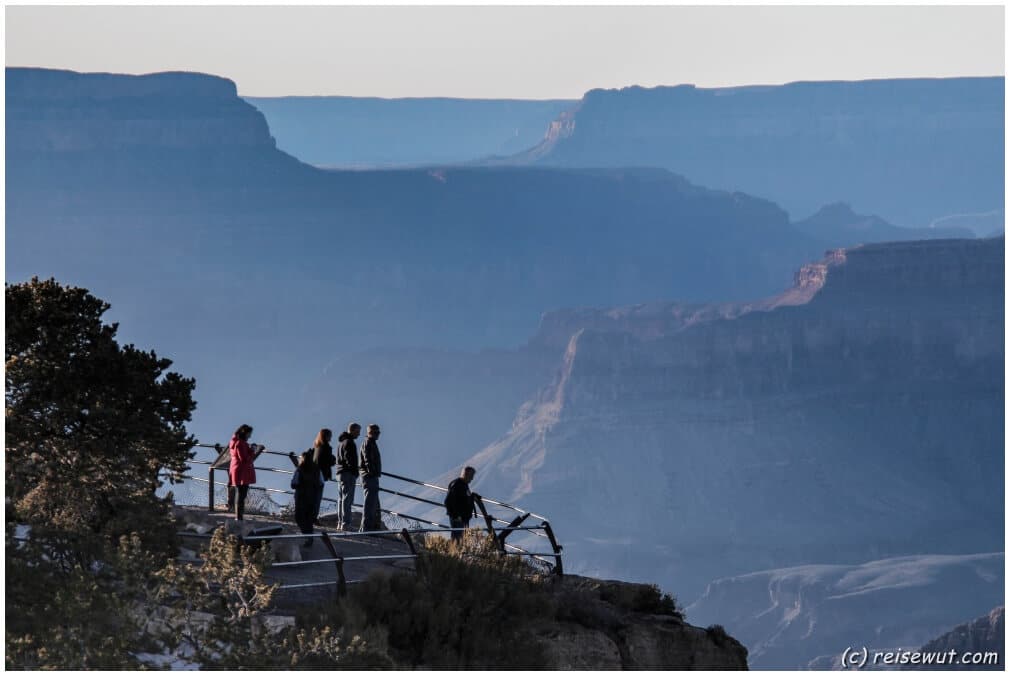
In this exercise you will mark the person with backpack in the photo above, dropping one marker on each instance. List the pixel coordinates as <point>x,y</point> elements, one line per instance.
<point>324,460</point>
<point>459,503</point>
<point>347,472</point>
<point>307,483</point>
<point>370,467</point>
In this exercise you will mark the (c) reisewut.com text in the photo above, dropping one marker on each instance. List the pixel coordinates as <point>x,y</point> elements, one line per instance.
<point>858,658</point>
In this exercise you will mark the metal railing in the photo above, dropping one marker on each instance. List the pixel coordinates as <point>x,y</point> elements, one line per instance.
<point>498,533</point>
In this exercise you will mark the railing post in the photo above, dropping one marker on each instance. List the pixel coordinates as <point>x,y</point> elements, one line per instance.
<point>509,529</point>
<point>557,548</point>
<point>413,550</point>
<point>410,542</point>
<point>487,518</point>
<point>210,489</point>
<point>341,580</point>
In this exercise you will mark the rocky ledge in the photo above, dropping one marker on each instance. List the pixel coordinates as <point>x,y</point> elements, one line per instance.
<point>618,625</point>
<point>600,624</point>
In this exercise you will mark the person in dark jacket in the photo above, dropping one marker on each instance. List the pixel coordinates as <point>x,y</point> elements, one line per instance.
<point>324,461</point>
<point>370,467</point>
<point>459,502</point>
<point>347,471</point>
<point>308,484</point>
<point>241,473</point>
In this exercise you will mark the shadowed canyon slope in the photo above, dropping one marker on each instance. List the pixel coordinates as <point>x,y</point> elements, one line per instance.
<point>912,151</point>
<point>166,195</point>
<point>858,416</point>
<point>806,616</point>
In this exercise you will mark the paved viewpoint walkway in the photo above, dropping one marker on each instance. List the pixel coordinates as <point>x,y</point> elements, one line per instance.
<point>295,564</point>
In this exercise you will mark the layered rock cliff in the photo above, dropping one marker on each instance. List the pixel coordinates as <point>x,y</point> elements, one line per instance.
<point>911,150</point>
<point>64,111</point>
<point>168,186</point>
<point>863,423</point>
<point>95,128</point>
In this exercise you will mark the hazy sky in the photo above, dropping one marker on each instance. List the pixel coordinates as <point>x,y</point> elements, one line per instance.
<point>520,52</point>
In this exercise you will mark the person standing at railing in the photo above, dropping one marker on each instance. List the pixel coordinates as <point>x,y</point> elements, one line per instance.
<point>307,483</point>
<point>241,473</point>
<point>347,471</point>
<point>459,503</point>
<point>323,458</point>
<point>370,467</point>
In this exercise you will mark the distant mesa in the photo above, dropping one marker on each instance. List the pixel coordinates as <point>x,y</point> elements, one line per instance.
<point>911,150</point>
<point>63,85</point>
<point>102,128</point>
<point>837,225</point>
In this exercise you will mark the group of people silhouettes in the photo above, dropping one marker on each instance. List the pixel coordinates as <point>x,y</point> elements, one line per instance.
<point>318,465</point>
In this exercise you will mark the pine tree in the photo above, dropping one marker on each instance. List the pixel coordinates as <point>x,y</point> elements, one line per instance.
<point>90,423</point>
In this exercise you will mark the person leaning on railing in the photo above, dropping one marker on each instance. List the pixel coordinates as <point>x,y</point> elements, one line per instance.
<point>459,502</point>
<point>370,467</point>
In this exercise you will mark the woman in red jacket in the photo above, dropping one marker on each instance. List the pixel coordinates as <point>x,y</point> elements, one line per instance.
<point>241,471</point>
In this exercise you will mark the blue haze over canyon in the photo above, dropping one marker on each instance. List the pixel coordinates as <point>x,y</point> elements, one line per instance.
<point>629,323</point>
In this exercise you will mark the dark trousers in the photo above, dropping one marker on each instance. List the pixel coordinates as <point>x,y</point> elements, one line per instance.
<point>306,500</point>
<point>319,502</point>
<point>241,492</point>
<point>458,522</point>
<point>370,516</point>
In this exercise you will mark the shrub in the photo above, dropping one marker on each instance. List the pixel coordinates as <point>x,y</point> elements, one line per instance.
<point>466,606</point>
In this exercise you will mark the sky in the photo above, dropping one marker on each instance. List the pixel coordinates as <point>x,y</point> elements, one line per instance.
<point>508,52</point>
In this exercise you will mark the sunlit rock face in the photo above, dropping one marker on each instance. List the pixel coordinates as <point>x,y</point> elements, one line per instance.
<point>855,417</point>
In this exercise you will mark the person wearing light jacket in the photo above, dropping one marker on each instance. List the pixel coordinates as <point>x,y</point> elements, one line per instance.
<point>370,467</point>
